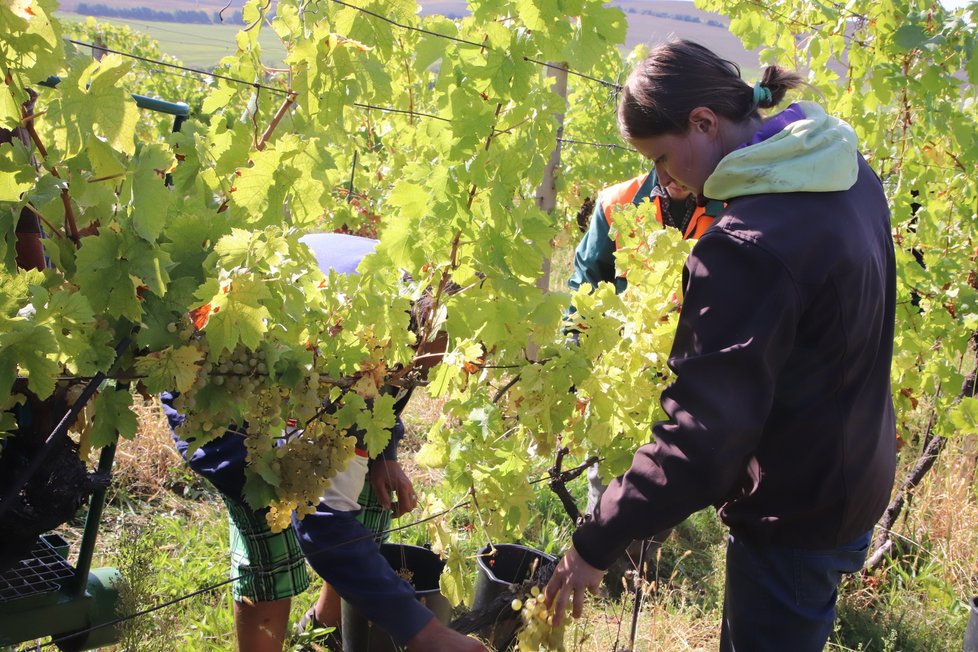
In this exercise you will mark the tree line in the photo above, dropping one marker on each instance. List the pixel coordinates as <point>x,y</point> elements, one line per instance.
<point>712,22</point>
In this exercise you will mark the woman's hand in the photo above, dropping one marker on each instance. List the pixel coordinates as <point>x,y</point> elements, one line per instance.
<point>571,579</point>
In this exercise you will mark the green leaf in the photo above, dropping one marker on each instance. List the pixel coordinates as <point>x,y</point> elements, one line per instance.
<point>257,492</point>
<point>104,160</point>
<point>171,368</point>
<point>107,104</point>
<point>150,265</point>
<point>104,276</point>
<point>113,417</point>
<point>910,36</point>
<point>16,173</point>
<point>29,347</point>
<point>253,183</point>
<point>238,316</point>
<point>148,197</point>
<point>964,416</point>
<point>218,98</point>
<point>412,200</point>
<point>378,426</point>
<point>9,108</point>
<point>456,582</point>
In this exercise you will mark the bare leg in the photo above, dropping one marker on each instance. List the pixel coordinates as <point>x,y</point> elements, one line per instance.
<point>260,626</point>
<point>328,607</point>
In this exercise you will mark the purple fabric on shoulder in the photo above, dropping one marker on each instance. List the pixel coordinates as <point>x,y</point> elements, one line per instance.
<point>791,114</point>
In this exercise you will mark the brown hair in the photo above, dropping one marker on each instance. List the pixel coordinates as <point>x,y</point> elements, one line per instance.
<point>678,76</point>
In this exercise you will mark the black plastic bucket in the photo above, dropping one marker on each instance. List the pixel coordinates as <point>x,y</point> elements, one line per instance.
<point>501,567</point>
<point>971,634</point>
<point>424,568</point>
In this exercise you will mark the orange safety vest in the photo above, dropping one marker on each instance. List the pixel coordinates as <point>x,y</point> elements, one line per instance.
<point>624,193</point>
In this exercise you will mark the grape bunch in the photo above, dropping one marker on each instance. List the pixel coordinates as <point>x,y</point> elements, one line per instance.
<point>538,633</point>
<point>306,462</point>
<point>291,443</point>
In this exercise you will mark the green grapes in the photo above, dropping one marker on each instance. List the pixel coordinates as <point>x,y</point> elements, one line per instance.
<point>298,461</point>
<point>538,633</point>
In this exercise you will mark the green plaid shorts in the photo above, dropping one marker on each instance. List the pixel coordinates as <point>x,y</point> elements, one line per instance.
<point>270,565</point>
<point>373,517</point>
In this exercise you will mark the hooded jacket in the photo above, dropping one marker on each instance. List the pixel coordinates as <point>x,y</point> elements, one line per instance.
<point>780,414</point>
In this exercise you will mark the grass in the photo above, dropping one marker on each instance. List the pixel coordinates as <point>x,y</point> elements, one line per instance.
<point>166,531</point>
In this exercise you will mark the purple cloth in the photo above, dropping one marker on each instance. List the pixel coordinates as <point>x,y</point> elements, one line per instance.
<point>775,124</point>
<point>338,251</point>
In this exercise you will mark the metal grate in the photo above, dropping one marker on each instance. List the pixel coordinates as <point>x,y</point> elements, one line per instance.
<point>43,572</point>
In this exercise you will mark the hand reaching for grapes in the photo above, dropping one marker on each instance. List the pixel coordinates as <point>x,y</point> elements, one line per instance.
<point>388,478</point>
<point>571,579</point>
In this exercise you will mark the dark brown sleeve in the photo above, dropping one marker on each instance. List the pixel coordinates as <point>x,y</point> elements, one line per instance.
<point>735,331</point>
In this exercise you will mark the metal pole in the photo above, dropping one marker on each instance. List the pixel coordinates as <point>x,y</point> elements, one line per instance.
<point>87,548</point>
<point>639,579</point>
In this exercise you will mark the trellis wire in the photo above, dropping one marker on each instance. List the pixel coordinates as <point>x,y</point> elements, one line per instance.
<point>179,67</point>
<point>207,589</point>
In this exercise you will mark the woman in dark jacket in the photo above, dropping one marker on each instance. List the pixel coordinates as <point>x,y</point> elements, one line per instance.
<point>780,414</point>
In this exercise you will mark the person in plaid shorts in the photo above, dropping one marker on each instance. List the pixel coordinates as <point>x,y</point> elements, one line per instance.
<point>377,509</point>
<point>270,567</point>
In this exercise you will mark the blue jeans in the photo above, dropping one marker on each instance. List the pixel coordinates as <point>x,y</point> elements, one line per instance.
<point>779,598</point>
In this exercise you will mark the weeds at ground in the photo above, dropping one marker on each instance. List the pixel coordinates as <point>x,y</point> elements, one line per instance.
<point>136,559</point>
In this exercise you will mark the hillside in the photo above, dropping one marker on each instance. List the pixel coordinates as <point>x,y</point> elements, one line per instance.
<point>646,24</point>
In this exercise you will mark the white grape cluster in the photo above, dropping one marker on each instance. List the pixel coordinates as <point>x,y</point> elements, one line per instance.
<point>306,463</point>
<point>297,460</point>
<point>246,395</point>
<point>538,633</point>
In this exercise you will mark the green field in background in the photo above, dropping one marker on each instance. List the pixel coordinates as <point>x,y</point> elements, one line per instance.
<point>202,46</point>
<point>197,46</point>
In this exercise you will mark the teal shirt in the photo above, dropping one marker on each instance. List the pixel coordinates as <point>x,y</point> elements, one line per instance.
<point>594,258</point>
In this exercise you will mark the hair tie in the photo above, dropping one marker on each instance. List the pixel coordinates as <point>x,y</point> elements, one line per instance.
<point>761,94</point>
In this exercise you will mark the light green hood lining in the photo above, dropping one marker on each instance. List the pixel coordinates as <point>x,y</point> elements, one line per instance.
<point>815,154</point>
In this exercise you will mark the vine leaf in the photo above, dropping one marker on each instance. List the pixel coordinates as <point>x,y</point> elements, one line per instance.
<point>455,583</point>
<point>113,414</point>
<point>964,416</point>
<point>104,104</point>
<point>257,492</point>
<point>910,36</point>
<point>148,197</point>
<point>378,424</point>
<point>16,174</point>
<point>105,278</point>
<point>9,110</point>
<point>23,346</point>
<point>171,368</point>
<point>238,316</point>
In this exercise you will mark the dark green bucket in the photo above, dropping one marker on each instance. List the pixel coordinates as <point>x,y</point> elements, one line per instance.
<point>424,567</point>
<point>501,568</point>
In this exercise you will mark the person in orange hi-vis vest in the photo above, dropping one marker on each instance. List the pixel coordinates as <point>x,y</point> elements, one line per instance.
<point>594,258</point>
<point>676,207</point>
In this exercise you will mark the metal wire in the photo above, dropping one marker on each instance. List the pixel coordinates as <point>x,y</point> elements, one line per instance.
<point>474,44</point>
<point>207,589</point>
<point>569,141</point>
<point>178,67</point>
